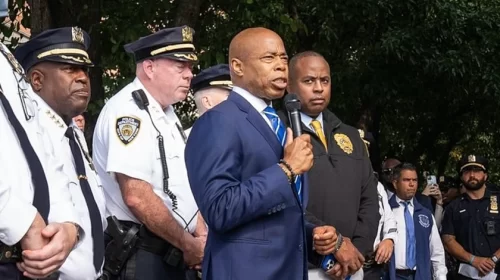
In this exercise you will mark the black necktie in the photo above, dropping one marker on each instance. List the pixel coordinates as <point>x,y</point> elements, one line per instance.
<point>41,199</point>
<point>95,216</point>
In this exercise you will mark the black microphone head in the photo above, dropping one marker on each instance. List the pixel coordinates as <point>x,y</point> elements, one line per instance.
<point>292,102</point>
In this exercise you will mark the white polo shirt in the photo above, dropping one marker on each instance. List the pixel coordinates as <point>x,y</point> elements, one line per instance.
<point>125,142</point>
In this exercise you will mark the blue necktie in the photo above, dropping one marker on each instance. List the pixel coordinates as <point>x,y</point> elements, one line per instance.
<point>410,238</point>
<point>41,199</point>
<point>95,216</point>
<point>280,130</point>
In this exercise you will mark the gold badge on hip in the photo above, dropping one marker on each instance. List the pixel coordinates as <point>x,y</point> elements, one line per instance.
<point>493,204</point>
<point>344,143</point>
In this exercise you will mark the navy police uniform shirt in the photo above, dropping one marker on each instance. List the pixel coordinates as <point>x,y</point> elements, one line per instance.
<point>475,224</point>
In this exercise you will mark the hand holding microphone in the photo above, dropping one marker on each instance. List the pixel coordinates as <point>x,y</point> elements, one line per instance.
<point>298,149</point>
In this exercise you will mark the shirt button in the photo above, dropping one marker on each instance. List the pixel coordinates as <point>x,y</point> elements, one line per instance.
<point>2,236</point>
<point>274,209</point>
<point>300,247</point>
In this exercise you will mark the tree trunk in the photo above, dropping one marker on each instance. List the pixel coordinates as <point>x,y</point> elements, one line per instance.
<point>40,17</point>
<point>187,12</point>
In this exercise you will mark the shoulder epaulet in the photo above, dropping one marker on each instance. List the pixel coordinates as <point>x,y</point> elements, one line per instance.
<point>12,60</point>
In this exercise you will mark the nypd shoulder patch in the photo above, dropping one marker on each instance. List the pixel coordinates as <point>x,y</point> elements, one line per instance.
<point>127,129</point>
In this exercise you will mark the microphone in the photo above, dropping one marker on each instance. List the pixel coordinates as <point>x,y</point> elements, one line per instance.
<point>292,105</point>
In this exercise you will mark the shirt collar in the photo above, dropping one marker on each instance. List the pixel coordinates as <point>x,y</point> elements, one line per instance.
<point>306,120</point>
<point>257,103</point>
<point>399,201</point>
<point>154,107</point>
<point>56,123</point>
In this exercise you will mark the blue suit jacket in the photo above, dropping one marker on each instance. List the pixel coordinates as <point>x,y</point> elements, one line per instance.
<point>256,224</point>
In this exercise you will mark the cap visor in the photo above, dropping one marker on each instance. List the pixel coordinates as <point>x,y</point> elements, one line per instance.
<point>473,164</point>
<point>182,56</point>
<point>69,59</point>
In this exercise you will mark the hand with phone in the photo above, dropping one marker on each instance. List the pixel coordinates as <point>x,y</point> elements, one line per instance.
<point>432,189</point>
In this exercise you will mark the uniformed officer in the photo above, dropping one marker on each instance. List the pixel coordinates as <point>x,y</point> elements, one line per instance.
<point>471,224</point>
<point>139,150</point>
<point>57,64</point>
<point>210,87</point>
<point>36,212</point>
<point>418,253</point>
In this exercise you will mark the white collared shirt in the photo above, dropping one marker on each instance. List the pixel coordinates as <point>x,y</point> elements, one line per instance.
<point>306,120</point>
<point>138,156</point>
<point>435,245</point>
<point>387,227</point>
<point>256,102</point>
<point>79,264</point>
<point>16,187</point>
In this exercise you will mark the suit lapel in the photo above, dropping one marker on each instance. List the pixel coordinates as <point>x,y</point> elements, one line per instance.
<point>257,120</point>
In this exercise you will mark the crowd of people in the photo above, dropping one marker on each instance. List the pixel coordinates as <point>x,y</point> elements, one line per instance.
<point>237,196</point>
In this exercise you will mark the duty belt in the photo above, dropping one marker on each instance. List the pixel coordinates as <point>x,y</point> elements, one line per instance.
<point>149,241</point>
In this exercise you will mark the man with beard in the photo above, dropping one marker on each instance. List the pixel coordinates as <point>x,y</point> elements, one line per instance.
<point>471,225</point>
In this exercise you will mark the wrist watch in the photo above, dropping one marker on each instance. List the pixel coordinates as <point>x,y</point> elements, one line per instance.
<point>494,259</point>
<point>77,231</point>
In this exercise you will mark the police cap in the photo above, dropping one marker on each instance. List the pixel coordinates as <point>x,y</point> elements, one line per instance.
<point>472,161</point>
<point>65,45</point>
<point>215,76</point>
<point>175,43</point>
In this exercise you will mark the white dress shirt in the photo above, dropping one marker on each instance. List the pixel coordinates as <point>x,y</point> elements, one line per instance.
<point>306,120</point>
<point>16,187</point>
<point>435,245</point>
<point>140,158</point>
<point>79,264</point>
<point>387,226</point>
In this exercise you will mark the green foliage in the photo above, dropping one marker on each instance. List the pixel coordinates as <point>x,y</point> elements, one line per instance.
<point>426,72</point>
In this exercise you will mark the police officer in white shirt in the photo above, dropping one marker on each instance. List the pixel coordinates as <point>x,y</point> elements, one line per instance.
<point>210,87</point>
<point>57,63</point>
<point>138,148</point>
<point>36,212</point>
<point>418,253</point>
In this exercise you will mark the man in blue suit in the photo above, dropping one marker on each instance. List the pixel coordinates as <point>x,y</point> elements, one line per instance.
<point>246,173</point>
